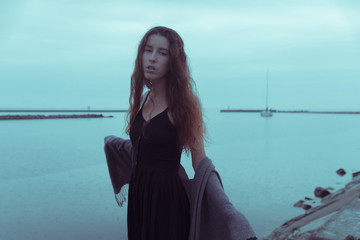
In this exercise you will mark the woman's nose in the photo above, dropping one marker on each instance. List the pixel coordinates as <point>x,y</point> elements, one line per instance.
<point>153,56</point>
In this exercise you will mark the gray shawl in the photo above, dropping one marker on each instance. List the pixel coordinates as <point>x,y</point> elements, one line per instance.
<point>212,215</point>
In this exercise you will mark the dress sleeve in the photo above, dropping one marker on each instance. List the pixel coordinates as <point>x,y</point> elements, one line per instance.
<point>119,158</point>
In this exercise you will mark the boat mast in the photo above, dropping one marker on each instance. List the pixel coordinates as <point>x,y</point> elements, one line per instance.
<point>267,88</point>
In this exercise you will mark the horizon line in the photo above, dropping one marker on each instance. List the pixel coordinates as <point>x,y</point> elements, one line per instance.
<point>63,110</point>
<point>221,110</point>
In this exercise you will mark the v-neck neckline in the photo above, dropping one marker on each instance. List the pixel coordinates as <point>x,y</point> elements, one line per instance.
<point>142,115</point>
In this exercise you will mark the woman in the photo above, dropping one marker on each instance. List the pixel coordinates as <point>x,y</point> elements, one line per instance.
<point>162,123</point>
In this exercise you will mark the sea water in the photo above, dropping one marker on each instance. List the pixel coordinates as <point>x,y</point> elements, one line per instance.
<point>54,181</point>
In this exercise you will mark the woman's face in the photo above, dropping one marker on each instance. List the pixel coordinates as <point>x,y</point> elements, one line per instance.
<point>155,58</point>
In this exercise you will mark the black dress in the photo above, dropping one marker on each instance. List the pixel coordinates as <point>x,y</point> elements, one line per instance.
<point>158,206</point>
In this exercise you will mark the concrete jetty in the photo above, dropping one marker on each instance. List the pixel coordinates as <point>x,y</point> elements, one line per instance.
<point>59,116</point>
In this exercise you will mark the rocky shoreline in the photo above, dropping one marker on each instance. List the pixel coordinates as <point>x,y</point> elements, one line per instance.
<point>344,224</point>
<point>59,116</point>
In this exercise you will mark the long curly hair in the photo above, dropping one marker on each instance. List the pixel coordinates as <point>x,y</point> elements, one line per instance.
<point>183,102</point>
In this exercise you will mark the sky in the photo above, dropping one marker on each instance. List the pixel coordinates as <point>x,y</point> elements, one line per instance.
<point>75,54</point>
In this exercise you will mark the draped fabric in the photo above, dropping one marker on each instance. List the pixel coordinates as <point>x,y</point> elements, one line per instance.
<point>212,216</point>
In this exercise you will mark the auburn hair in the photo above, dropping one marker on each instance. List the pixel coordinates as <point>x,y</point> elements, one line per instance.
<point>183,102</point>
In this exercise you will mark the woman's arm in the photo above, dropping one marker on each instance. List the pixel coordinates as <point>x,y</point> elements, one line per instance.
<point>198,154</point>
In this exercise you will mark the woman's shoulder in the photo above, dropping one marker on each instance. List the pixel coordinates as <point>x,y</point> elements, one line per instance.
<point>144,97</point>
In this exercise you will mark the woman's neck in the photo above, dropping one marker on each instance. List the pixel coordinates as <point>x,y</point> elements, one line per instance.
<point>158,89</point>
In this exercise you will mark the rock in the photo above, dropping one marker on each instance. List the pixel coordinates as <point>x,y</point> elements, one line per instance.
<point>355,174</point>
<point>302,205</point>
<point>299,203</point>
<point>321,192</point>
<point>306,206</point>
<point>341,172</point>
<point>350,237</point>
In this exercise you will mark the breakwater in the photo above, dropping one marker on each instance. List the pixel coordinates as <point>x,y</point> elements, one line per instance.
<point>64,110</point>
<point>293,111</point>
<point>59,116</point>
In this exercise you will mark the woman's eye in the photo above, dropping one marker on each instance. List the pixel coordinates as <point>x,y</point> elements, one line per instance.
<point>163,53</point>
<point>148,49</point>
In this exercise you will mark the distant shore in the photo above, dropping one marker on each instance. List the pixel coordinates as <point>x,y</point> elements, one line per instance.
<point>221,110</point>
<point>26,117</point>
<point>49,110</point>
<point>294,111</point>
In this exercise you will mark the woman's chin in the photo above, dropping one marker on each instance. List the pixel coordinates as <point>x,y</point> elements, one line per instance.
<point>149,76</point>
<point>153,77</point>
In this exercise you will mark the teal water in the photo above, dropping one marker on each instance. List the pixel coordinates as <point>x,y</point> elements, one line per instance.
<point>54,182</point>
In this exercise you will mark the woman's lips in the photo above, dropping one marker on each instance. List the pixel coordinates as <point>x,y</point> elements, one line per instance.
<point>150,69</point>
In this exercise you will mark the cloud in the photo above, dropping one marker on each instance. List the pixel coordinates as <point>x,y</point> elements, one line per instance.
<point>228,40</point>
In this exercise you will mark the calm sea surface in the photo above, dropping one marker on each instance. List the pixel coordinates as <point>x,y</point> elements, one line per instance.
<point>54,182</point>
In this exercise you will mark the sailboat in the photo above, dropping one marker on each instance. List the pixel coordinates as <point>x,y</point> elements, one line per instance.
<point>267,112</point>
